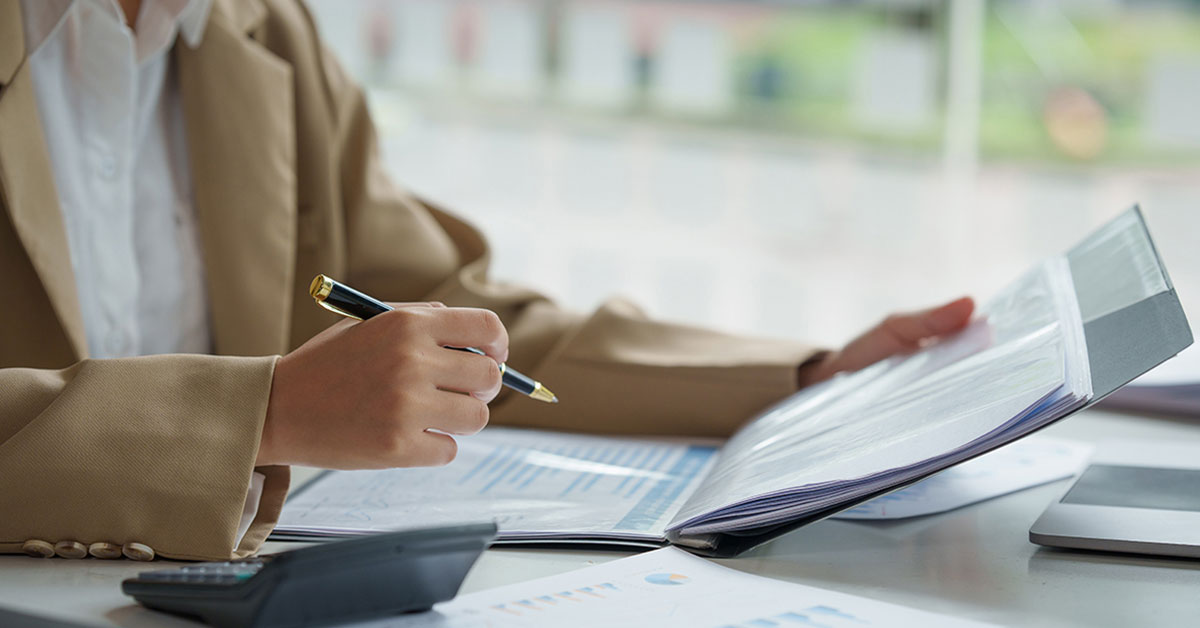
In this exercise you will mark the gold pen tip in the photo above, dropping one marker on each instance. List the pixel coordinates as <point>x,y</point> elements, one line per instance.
<point>541,393</point>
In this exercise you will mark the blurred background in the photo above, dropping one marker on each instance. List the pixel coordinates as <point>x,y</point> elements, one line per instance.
<point>786,168</point>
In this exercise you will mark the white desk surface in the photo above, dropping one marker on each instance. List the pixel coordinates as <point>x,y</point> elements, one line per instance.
<point>975,562</point>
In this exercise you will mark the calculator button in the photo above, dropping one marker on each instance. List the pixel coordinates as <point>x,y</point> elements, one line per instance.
<point>224,574</point>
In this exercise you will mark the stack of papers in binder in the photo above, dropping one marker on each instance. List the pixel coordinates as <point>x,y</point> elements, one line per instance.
<point>1020,365</point>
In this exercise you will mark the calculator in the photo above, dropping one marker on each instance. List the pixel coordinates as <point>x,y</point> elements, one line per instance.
<point>340,581</point>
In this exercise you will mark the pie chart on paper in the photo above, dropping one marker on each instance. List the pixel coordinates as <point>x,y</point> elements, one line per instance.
<point>666,578</point>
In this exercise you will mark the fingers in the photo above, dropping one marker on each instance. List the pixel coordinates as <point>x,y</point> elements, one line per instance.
<point>475,375</point>
<point>950,317</point>
<point>906,331</point>
<point>448,414</point>
<point>431,449</point>
<point>470,327</point>
<point>897,334</point>
<point>438,325</point>
<point>461,415</point>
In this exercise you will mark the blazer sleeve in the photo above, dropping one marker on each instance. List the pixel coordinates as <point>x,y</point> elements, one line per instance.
<point>85,451</point>
<point>614,370</point>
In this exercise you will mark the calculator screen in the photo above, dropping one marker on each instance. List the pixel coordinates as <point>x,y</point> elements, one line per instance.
<point>1137,487</point>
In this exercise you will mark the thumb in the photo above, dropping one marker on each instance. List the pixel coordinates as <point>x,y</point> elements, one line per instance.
<point>902,333</point>
<point>906,331</point>
<point>948,318</point>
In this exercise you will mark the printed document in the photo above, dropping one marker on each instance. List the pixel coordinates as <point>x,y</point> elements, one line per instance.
<point>666,587</point>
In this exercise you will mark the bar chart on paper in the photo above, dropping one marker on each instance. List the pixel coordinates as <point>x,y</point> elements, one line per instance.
<point>666,587</point>
<point>550,600</point>
<point>817,616</point>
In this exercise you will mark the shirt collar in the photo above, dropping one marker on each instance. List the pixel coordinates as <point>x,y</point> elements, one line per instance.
<point>192,20</point>
<point>190,16</point>
<point>41,17</point>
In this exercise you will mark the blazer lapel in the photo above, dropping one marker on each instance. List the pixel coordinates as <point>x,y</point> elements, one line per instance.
<point>238,103</point>
<point>27,180</point>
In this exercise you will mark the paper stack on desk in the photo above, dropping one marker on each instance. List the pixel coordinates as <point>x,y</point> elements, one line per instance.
<point>1024,464</point>
<point>1022,364</point>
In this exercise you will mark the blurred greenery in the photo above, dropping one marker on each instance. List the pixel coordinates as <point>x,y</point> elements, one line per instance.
<point>1025,57</point>
<point>1063,82</point>
<point>816,50</point>
<point>796,72</point>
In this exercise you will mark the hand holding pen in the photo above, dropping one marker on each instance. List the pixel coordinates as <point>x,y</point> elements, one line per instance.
<point>383,392</point>
<point>342,299</point>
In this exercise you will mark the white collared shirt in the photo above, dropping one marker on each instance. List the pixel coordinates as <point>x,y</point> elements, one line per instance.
<point>114,128</point>
<point>113,123</point>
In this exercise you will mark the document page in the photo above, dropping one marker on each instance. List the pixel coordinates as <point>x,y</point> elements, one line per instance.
<point>536,485</point>
<point>666,587</point>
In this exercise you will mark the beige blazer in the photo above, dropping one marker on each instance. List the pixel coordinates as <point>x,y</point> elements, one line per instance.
<point>159,450</point>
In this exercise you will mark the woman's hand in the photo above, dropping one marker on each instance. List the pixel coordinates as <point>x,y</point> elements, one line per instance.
<point>898,333</point>
<point>385,392</point>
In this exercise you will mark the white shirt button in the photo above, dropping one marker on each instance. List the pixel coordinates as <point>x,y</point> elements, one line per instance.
<point>107,166</point>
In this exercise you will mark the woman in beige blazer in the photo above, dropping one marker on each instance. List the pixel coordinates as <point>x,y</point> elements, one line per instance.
<point>159,450</point>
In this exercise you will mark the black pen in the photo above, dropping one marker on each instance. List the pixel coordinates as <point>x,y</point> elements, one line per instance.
<point>342,299</point>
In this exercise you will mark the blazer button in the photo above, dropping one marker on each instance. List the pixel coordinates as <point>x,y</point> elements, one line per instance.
<point>105,550</point>
<point>71,549</point>
<point>38,548</point>
<point>137,551</point>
